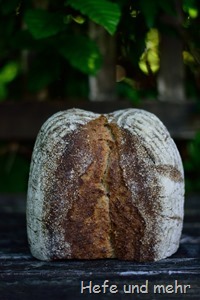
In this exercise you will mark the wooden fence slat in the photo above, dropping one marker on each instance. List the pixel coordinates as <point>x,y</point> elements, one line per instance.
<point>22,120</point>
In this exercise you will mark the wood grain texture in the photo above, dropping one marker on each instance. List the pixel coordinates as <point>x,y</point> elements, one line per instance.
<point>22,277</point>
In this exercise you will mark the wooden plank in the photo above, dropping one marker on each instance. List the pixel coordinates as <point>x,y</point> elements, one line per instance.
<point>57,280</point>
<point>60,287</point>
<point>22,120</point>
<point>22,277</point>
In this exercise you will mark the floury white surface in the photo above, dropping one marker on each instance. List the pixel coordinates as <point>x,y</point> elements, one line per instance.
<point>160,172</point>
<point>164,163</point>
<point>50,145</point>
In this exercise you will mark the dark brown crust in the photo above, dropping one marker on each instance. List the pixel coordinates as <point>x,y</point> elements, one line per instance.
<point>101,218</point>
<point>102,221</point>
<point>88,223</point>
<point>133,161</point>
<point>126,221</point>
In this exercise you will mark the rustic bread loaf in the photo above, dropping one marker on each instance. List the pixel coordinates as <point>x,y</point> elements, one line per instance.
<point>105,186</point>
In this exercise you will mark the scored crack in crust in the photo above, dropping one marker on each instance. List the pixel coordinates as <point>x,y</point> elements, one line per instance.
<point>88,224</point>
<point>127,223</point>
<point>96,215</point>
<point>102,221</point>
<point>104,191</point>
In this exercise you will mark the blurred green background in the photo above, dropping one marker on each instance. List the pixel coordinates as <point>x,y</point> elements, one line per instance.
<point>46,49</point>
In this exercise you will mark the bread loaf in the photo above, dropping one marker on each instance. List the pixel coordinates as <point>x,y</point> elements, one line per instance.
<point>105,186</point>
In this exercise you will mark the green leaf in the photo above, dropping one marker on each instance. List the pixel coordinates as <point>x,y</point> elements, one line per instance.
<point>14,171</point>
<point>23,39</point>
<point>187,4</point>
<point>126,91</point>
<point>168,7</point>
<point>44,71</point>
<point>149,10</point>
<point>42,23</point>
<point>9,72</point>
<point>3,92</point>
<point>102,12</point>
<point>8,7</point>
<point>190,7</point>
<point>82,53</point>
<point>193,151</point>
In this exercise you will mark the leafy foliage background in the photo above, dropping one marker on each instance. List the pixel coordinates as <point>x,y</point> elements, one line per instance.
<point>44,42</point>
<point>45,49</point>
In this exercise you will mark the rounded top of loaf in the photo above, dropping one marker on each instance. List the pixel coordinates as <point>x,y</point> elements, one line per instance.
<point>150,166</point>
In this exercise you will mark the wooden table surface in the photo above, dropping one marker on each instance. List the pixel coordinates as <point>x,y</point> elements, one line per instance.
<point>23,277</point>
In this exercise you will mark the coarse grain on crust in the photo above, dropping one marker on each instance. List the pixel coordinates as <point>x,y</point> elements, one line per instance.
<point>55,137</point>
<point>105,186</point>
<point>153,171</point>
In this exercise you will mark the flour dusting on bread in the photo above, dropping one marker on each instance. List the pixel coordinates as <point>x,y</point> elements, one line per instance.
<point>104,186</point>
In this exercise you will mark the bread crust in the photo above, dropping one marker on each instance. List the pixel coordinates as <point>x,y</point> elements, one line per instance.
<point>105,186</point>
